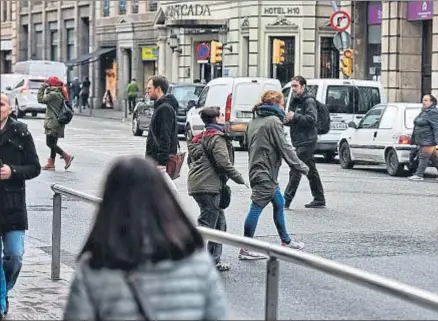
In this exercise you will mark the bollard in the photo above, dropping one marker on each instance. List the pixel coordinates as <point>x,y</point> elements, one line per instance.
<point>272,281</point>
<point>56,237</point>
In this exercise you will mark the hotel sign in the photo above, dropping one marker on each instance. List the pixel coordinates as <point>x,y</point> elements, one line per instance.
<point>282,11</point>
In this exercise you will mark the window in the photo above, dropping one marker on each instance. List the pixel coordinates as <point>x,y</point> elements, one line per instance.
<point>35,83</point>
<point>389,117</point>
<point>24,3</point>
<point>186,93</point>
<point>122,6</point>
<point>134,6</point>
<point>203,97</point>
<point>286,70</point>
<point>39,43</point>
<point>106,8</point>
<point>54,45</point>
<point>410,115</point>
<point>344,99</point>
<point>329,59</point>
<point>371,120</point>
<point>70,44</point>
<point>20,84</point>
<point>4,6</point>
<point>153,5</point>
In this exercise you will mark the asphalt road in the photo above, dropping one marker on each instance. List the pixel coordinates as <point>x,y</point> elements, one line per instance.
<point>372,221</point>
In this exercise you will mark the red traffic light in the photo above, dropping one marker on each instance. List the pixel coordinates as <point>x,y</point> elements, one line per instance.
<point>348,53</point>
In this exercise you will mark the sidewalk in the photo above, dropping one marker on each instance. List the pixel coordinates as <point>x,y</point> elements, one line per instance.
<point>103,113</point>
<point>36,296</point>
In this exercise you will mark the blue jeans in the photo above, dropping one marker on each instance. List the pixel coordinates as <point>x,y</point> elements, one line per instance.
<point>255,211</point>
<point>12,250</point>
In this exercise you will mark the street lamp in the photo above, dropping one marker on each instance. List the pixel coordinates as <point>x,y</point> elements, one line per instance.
<point>173,42</point>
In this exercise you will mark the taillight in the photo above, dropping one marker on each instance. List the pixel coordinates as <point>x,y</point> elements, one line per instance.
<point>404,140</point>
<point>228,107</point>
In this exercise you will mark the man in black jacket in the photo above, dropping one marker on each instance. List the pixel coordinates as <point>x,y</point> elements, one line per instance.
<point>18,162</point>
<point>162,140</point>
<point>302,117</point>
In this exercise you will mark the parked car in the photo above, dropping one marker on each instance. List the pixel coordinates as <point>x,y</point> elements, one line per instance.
<point>183,92</point>
<point>347,100</point>
<point>236,96</point>
<point>141,116</point>
<point>23,95</point>
<point>383,136</point>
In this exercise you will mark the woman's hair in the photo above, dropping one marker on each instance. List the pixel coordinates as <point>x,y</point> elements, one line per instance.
<point>433,99</point>
<point>139,220</point>
<point>270,97</point>
<point>209,114</point>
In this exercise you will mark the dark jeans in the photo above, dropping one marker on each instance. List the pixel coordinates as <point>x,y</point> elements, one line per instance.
<point>255,211</point>
<point>305,153</point>
<point>131,102</point>
<point>52,143</point>
<point>84,100</point>
<point>212,217</point>
<point>427,154</point>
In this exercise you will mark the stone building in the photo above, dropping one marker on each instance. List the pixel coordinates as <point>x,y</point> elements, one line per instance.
<point>7,16</point>
<point>247,29</point>
<point>396,42</point>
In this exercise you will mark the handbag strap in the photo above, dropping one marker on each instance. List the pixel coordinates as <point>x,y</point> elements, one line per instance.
<point>142,305</point>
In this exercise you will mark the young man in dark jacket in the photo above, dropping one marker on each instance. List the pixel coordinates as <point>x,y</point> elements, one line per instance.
<point>162,140</point>
<point>302,117</point>
<point>18,162</point>
<point>211,165</point>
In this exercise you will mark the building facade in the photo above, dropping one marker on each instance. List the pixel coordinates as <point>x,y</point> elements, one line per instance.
<point>396,42</point>
<point>7,12</point>
<point>247,30</point>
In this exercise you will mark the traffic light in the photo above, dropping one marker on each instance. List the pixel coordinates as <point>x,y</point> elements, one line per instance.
<point>347,63</point>
<point>278,52</point>
<point>216,50</point>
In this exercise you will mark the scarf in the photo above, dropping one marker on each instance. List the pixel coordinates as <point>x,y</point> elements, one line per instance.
<point>271,110</point>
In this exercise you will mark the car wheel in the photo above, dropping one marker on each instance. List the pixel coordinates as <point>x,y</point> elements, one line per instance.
<point>393,166</point>
<point>345,156</point>
<point>188,133</point>
<point>136,131</point>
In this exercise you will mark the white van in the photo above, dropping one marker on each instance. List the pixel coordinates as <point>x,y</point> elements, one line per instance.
<point>236,96</point>
<point>347,100</point>
<point>42,68</point>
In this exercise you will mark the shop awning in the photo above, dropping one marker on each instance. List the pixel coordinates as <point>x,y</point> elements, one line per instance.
<point>85,58</point>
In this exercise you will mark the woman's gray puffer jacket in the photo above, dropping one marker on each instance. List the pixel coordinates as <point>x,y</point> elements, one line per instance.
<point>189,289</point>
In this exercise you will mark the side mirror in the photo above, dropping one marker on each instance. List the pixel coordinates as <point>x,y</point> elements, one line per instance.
<point>191,104</point>
<point>352,124</point>
<point>8,88</point>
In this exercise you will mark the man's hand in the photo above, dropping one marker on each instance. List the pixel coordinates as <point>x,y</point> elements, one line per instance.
<point>5,172</point>
<point>290,115</point>
<point>162,168</point>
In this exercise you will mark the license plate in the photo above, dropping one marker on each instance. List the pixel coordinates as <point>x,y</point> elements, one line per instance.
<point>338,126</point>
<point>244,114</point>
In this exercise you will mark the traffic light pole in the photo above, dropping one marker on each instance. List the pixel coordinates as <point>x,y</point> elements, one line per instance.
<point>343,34</point>
<point>274,71</point>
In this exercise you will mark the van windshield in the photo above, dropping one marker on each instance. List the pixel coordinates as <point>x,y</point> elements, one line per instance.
<point>344,99</point>
<point>35,83</point>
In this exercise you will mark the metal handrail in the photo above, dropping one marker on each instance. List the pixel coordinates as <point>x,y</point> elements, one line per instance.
<point>373,281</point>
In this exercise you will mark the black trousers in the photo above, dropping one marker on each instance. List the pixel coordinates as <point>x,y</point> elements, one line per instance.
<point>84,100</point>
<point>212,217</point>
<point>131,102</point>
<point>305,153</point>
<point>52,143</point>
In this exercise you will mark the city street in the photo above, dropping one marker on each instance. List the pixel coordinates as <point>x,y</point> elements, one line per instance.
<point>382,224</point>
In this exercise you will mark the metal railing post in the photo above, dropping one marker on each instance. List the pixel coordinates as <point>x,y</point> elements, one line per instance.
<point>272,281</point>
<point>56,237</point>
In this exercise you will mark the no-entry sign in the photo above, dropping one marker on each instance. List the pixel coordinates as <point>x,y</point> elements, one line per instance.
<point>340,20</point>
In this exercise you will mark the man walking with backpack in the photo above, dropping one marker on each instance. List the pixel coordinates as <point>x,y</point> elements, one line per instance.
<point>302,119</point>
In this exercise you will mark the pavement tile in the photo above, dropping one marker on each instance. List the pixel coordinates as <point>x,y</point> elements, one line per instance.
<point>36,296</point>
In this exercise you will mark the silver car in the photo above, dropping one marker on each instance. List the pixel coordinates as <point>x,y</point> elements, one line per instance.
<point>23,95</point>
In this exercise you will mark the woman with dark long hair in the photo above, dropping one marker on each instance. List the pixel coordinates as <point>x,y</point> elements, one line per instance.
<point>144,258</point>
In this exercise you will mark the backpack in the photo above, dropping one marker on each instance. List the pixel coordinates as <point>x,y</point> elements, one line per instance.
<point>66,113</point>
<point>323,118</point>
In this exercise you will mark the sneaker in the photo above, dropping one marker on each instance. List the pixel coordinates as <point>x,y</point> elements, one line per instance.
<point>315,204</point>
<point>293,245</point>
<point>250,256</point>
<point>415,178</point>
<point>222,267</point>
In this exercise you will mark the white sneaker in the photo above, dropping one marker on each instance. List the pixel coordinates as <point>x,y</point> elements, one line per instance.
<point>246,255</point>
<point>415,178</point>
<point>294,245</point>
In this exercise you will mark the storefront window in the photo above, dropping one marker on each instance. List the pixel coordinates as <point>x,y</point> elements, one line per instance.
<point>374,40</point>
<point>329,59</point>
